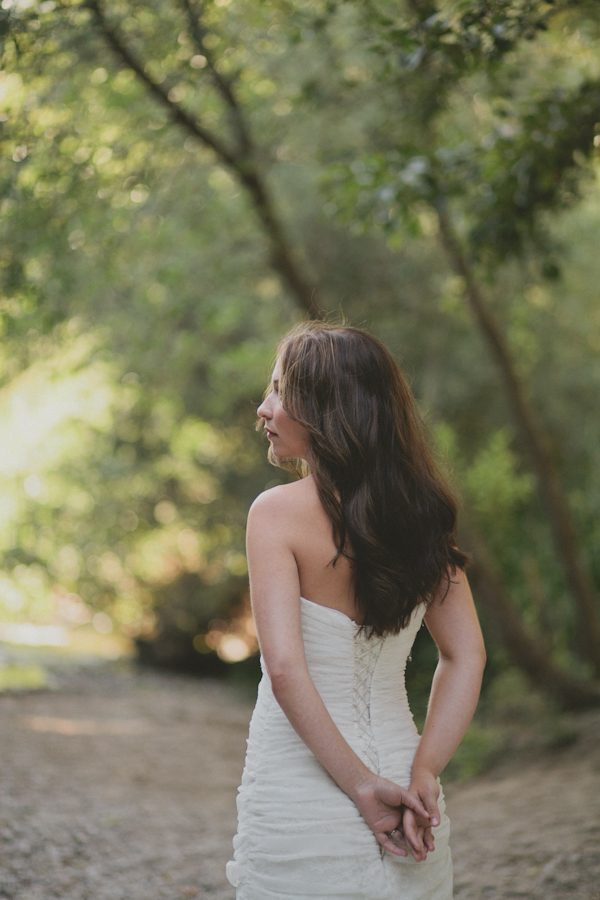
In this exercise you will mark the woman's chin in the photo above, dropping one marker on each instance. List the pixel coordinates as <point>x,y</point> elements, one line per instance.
<point>282,453</point>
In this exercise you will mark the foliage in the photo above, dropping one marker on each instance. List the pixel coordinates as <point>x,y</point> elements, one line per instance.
<point>139,309</point>
<point>139,472</point>
<point>524,151</point>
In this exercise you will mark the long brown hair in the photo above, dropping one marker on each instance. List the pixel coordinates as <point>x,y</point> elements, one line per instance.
<point>393,515</point>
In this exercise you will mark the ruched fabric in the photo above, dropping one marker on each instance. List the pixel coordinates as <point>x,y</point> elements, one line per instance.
<point>299,836</point>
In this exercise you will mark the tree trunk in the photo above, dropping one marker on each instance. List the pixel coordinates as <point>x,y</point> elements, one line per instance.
<point>535,439</point>
<point>530,654</point>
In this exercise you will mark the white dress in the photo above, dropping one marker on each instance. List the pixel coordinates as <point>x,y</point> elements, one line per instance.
<point>299,836</point>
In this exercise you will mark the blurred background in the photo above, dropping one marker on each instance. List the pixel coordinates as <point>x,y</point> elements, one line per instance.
<point>181,182</point>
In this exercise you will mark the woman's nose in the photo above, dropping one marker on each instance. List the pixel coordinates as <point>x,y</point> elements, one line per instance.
<point>263,411</point>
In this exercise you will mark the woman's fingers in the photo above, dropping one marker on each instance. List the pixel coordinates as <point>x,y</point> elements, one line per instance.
<point>427,789</point>
<point>414,835</point>
<point>433,813</point>
<point>399,840</point>
<point>393,795</point>
<point>383,807</point>
<point>389,844</point>
<point>418,827</point>
<point>397,836</point>
<point>428,840</point>
<point>415,804</point>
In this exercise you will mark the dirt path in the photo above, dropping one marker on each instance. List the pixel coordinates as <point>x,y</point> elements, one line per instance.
<point>532,828</point>
<point>121,786</point>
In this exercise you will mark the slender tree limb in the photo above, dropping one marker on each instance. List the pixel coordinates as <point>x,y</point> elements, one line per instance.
<point>222,84</point>
<point>537,444</point>
<point>176,112</point>
<point>244,167</point>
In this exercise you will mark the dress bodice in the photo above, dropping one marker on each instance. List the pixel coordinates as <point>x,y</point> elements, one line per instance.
<point>361,682</point>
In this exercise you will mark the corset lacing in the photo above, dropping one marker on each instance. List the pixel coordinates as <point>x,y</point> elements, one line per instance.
<point>366,654</point>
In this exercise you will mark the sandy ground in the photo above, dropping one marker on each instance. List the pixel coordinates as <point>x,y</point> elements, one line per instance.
<point>121,785</point>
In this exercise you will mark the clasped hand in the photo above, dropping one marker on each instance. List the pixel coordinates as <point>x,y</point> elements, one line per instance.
<point>401,819</point>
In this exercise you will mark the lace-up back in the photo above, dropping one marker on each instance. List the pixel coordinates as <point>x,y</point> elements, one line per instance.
<point>366,654</point>
<point>299,835</point>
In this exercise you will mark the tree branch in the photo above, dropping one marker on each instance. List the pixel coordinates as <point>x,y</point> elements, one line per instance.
<point>177,113</point>
<point>223,86</point>
<point>240,160</point>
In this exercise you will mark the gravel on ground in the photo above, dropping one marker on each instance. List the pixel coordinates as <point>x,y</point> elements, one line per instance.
<point>120,784</point>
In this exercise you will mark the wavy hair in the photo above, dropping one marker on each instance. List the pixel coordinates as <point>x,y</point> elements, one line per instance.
<point>393,515</point>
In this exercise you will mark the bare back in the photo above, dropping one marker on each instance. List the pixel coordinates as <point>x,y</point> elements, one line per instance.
<point>311,540</point>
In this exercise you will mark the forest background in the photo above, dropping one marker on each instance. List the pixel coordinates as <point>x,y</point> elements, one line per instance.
<point>181,182</point>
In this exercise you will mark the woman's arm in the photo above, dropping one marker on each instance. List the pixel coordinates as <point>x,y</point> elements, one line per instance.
<point>455,629</point>
<point>275,592</point>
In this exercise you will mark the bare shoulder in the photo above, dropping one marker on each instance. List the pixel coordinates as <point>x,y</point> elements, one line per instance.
<point>284,503</point>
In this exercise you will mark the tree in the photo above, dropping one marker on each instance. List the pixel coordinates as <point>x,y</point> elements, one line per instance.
<point>240,154</point>
<point>532,163</point>
<point>211,74</point>
<point>109,216</point>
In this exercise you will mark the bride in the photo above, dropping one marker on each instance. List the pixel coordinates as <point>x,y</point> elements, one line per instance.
<point>340,796</point>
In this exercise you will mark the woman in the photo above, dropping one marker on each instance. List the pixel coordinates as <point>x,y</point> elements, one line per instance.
<point>345,564</point>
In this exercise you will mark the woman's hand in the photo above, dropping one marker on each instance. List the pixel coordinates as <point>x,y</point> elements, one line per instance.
<point>417,828</point>
<point>379,802</point>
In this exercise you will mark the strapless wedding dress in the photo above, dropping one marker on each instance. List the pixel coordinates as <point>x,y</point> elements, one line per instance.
<point>299,836</point>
